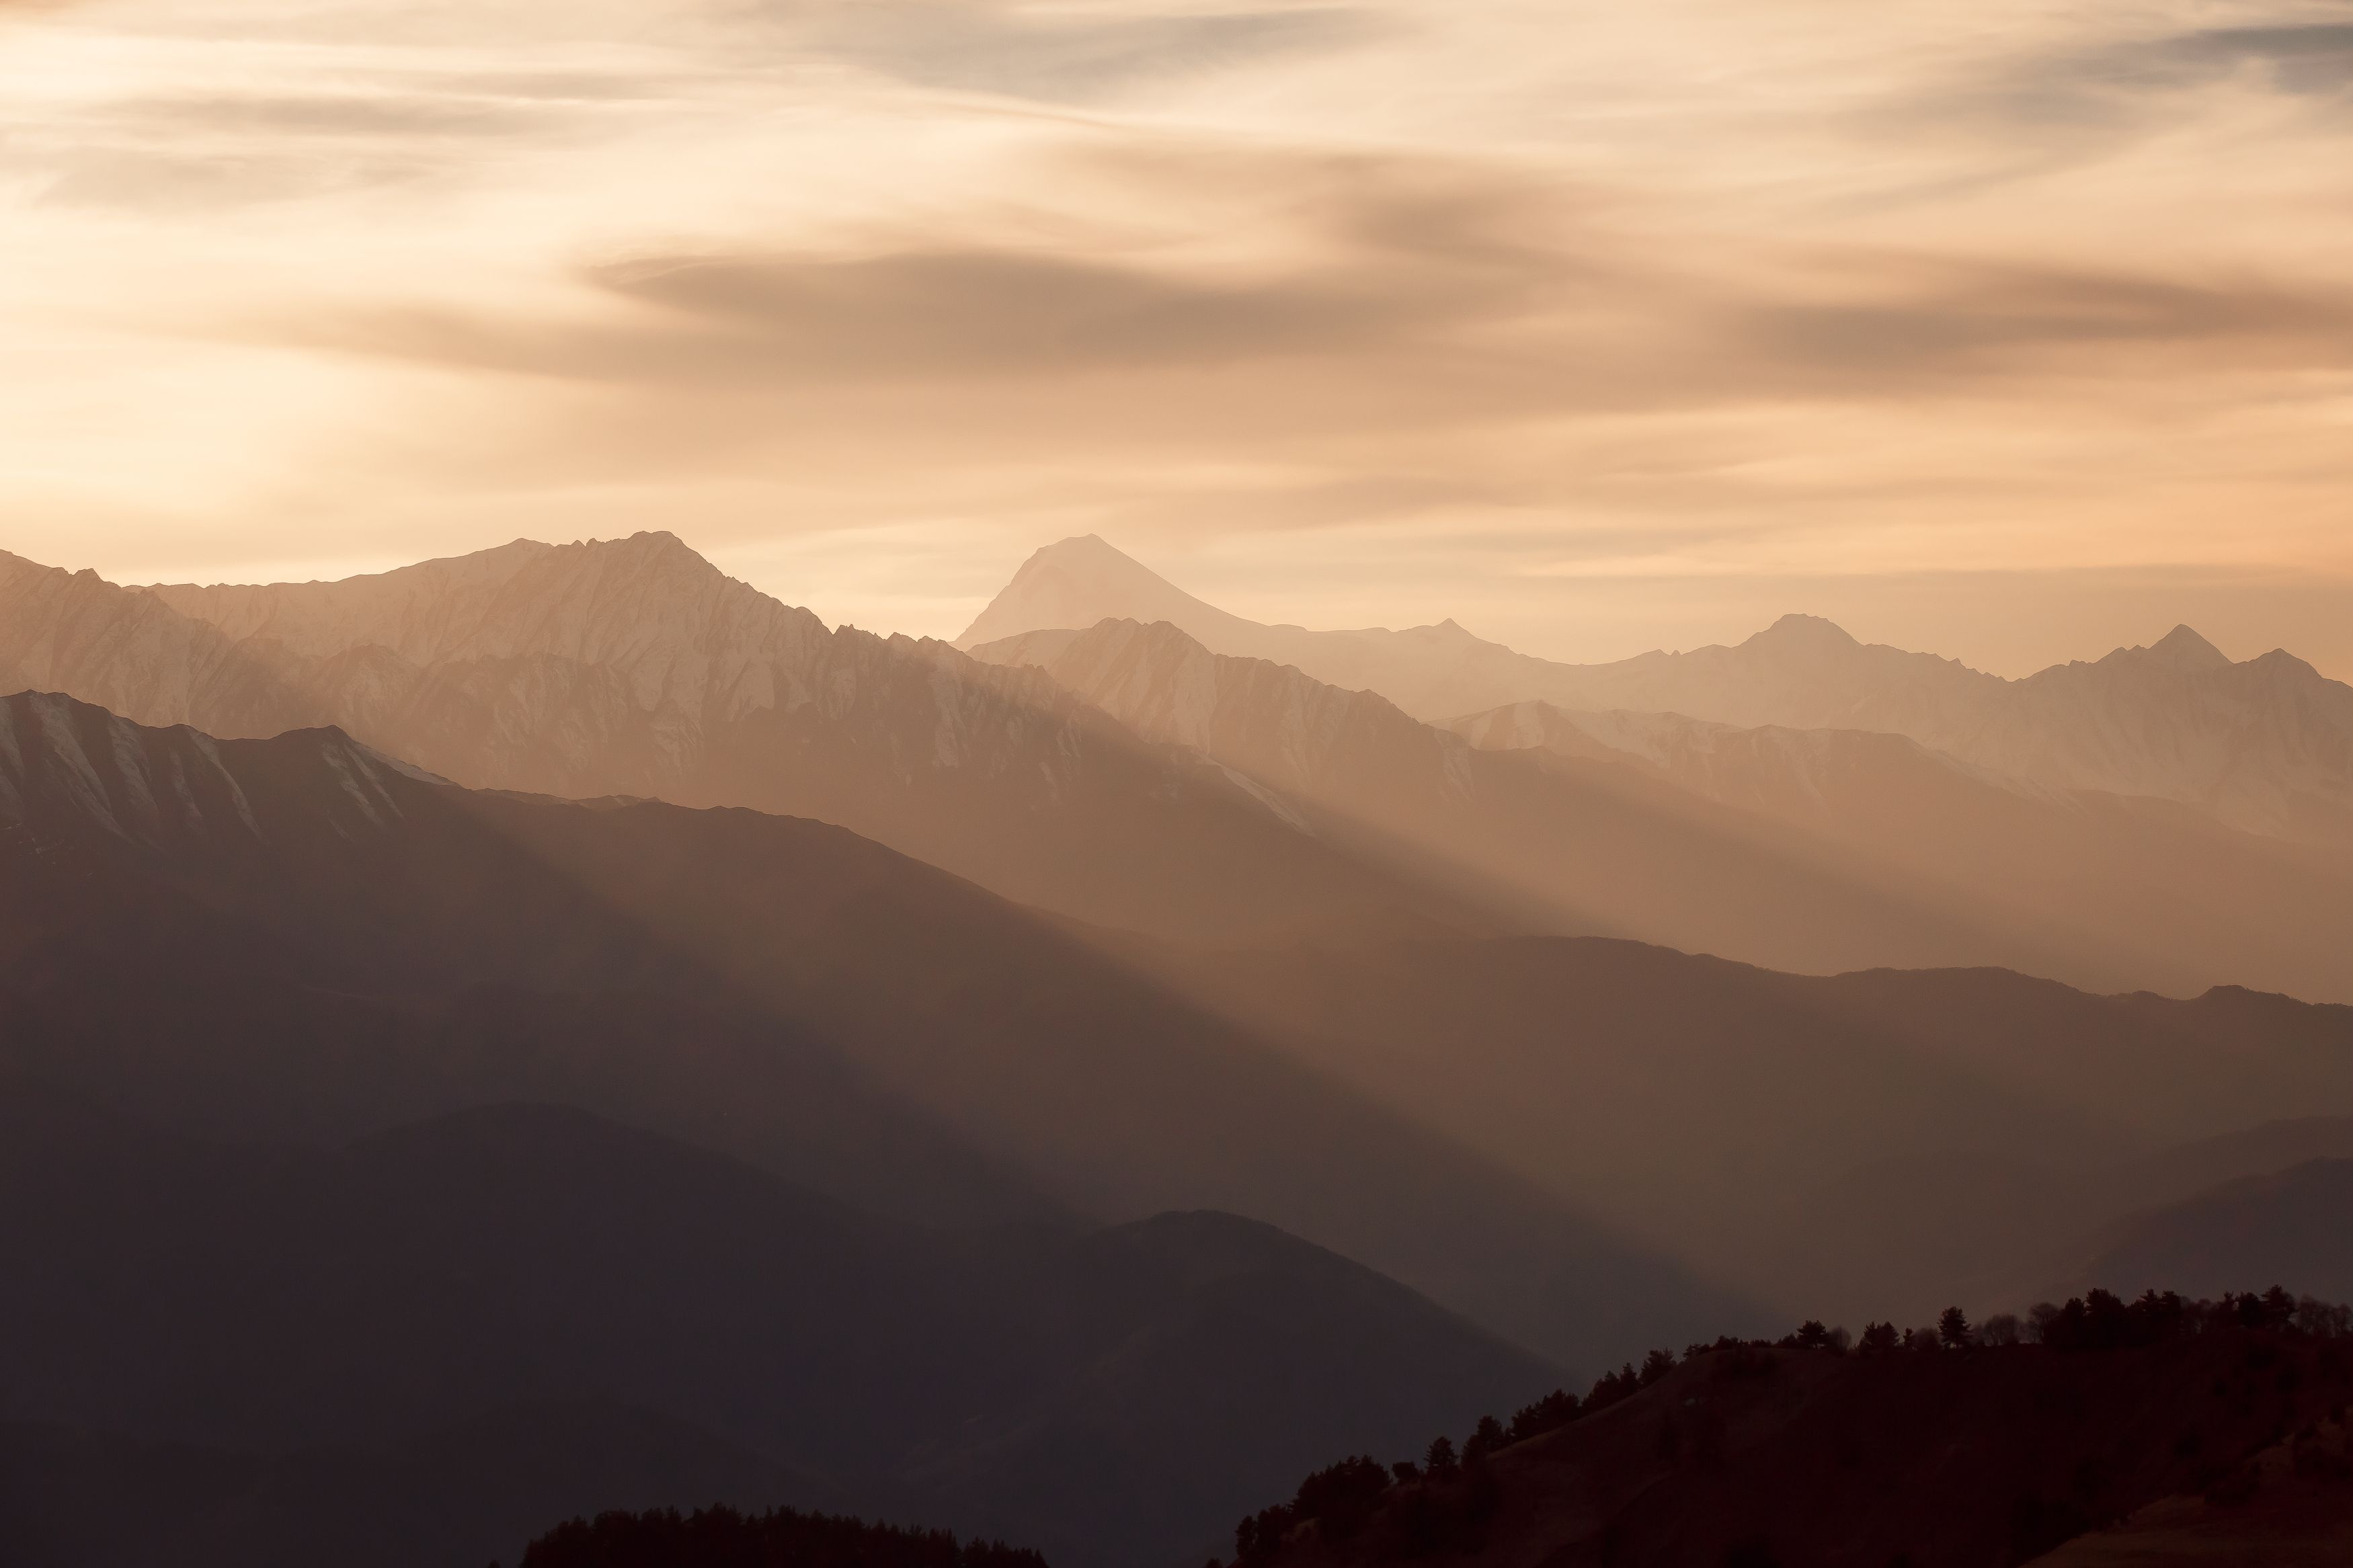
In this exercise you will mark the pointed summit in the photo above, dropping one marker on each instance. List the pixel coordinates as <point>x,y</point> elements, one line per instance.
<point>1794,630</point>
<point>1083,580</point>
<point>2183,648</point>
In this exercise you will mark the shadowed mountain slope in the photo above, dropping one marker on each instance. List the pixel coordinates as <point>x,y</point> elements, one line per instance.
<point>2294,1226</point>
<point>1817,850</point>
<point>164,892</point>
<point>2264,745</point>
<point>279,1301</point>
<point>1860,1144</point>
<point>71,1498</point>
<point>634,667</point>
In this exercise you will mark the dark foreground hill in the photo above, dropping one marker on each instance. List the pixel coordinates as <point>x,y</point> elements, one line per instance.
<point>2291,1507</point>
<point>425,1345</point>
<point>1928,1454</point>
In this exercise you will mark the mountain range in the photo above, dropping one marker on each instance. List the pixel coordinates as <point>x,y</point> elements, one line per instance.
<point>1138,779</point>
<point>563,1009</point>
<point>636,668</point>
<point>331,928</point>
<point>2264,745</point>
<point>1816,850</point>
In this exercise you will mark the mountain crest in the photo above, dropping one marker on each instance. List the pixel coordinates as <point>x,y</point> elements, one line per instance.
<point>2184,650</point>
<point>1083,580</point>
<point>1806,631</point>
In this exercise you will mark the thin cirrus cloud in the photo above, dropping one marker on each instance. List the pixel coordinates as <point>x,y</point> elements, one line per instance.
<point>2080,93</point>
<point>1497,300</point>
<point>1443,311</point>
<point>1057,55</point>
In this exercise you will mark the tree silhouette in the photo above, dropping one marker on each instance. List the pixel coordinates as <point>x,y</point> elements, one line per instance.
<point>782,1538</point>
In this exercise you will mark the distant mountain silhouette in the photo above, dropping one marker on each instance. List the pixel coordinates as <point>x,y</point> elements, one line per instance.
<point>1432,672</point>
<point>277,1300</point>
<point>634,667</point>
<point>2294,1226</point>
<point>287,931</point>
<point>1813,850</point>
<point>2264,745</point>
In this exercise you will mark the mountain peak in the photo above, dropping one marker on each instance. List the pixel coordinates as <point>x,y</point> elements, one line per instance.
<point>2183,648</point>
<point>1078,581</point>
<point>1802,630</point>
<point>653,543</point>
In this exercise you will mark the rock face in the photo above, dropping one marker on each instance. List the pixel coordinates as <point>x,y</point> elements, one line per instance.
<point>2264,745</point>
<point>636,668</point>
<point>1806,849</point>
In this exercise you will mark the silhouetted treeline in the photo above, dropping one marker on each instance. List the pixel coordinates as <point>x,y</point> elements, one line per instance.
<point>1446,1497</point>
<point>2101,1321</point>
<point>723,1538</point>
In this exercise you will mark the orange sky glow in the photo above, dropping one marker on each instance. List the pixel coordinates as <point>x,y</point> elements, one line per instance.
<point>2014,331</point>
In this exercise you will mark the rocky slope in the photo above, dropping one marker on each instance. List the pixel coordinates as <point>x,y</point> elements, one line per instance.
<point>635,667</point>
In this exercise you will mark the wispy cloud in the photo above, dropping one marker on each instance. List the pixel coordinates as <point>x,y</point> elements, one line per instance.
<point>1554,294</point>
<point>1059,53</point>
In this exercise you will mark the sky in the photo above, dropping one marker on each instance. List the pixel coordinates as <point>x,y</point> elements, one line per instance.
<point>2015,332</point>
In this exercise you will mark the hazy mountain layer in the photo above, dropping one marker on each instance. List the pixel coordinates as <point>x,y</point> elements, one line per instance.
<point>1864,1145</point>
<point>2265,745</point>
<point>275,1299</point>
<point>1813,850</point>
<point>1431,672</point>
<point>2290,1226</point>
<point>2116,892</point>
<point>636,668</point>
<point>281,869</point>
